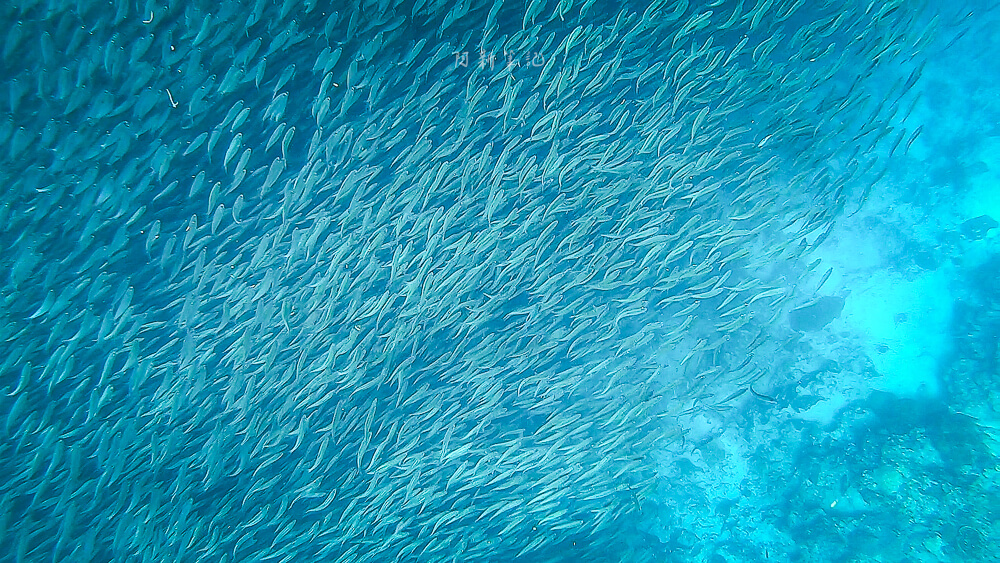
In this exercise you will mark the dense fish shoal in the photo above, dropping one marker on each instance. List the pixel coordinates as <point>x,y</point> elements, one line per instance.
<point>418,281</point>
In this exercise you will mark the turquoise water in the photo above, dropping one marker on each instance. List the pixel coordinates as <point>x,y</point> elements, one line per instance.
<point>545,281</point>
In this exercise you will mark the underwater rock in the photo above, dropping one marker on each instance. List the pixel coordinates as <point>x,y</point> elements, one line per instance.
<point>978,228</point>
<point>925,259</point>
<point>817,314</point>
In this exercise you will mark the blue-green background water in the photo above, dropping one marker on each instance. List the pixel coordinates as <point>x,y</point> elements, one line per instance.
<point>299,281</point>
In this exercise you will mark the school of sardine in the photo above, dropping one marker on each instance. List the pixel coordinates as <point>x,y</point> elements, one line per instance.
<point>386,281</point>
